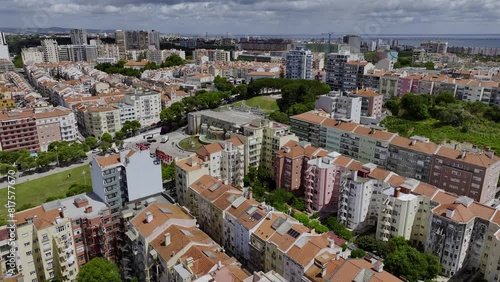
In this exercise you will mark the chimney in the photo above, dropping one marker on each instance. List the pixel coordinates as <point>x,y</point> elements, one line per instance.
<point>397,191</point>
<point>490,153</point>
<point>225,182</point>
<point>219,265</point>
<point>61,213</point>
<point>189,262</point>
<point>249,195</point>
<point>456,146</point>
<point>450,213</point>
<point>372,131</point>
<point>167,239</point>
<point>88,209</point>
<point>323,271</point>
<point>331,243</point>
<point>413,142</point>
<point>378,266</point>
<point>149,217</point>
<point>462,156</point>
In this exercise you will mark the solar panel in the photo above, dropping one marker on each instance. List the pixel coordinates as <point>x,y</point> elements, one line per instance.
<point>277,223</point>
<point>256,216</point>
<point>292,232</point>
<point>251,210</point>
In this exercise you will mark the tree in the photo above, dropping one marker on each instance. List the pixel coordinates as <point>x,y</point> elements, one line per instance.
<point>359,253</point>
<point>91,141</point>
<point>106,137</point>
<point>120,135</point>
<point>298,203</point>
<point>415,106</point>
<point>119,142</point>
<point>371,244</point>
<point>338,228</point>
<point>429,66</point>
<point>45,158</point>
<point>99,270</point>
<point>445,97</point>
<point>393,105</point>
<point>18,61</point>
<point>105,146</point>
<point>168,171</point>
<point>131,126</point>
<point>4,168</point>
<point>222,84</point>
<point>172,60</point>
<point>279,116</point>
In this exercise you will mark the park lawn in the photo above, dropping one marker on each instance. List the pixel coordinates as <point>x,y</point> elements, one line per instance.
<point>266,104</point>
<point>186,143</point>
<point>483,133</point>
<point>35,192</point>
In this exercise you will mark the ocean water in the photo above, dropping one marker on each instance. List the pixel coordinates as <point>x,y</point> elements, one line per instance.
<point>460,40</point>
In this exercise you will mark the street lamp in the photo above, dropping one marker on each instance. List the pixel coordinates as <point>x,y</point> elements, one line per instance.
<point>57,156</point>
<point>84,178</point>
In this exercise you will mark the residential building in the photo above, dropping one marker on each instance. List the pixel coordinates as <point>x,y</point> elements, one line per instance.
<point>433,47</point>
<point>226,160</point>
<point>229,121</point>
<point>4,48</point>
<point>345,71</point>
<point>340,106</point>
<point>125,177</point>
<point>218,55</point>
<point>411,157</point>
<point>371,102</point>
<point>46,244</point>
<point>78,36</point>
<point>121,43</point>
<point>100,120</point>
<point>290,163</point>
<point>187,171</point>
<point>50,51</point>
<point>147,105</point>
<point>299,63</point>
<point>471,174</point>
<point>397,214</point>
<point>18,130</point>
<point>154,39</point>
<point>354,42</point>
<point>32,55</point>
<point>55,124</point>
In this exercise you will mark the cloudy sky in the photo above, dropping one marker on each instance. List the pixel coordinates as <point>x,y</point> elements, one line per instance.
<point>259,16</point>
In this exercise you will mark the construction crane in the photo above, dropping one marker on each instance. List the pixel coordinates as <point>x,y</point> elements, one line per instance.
<point>329,40</point>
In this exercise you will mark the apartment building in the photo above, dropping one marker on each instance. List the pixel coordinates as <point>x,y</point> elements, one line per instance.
<point>226,160</point>
<point>50,51</point>
<point>147,105</point>
<point>46,245</point>
<point>208,199</point>
<point>55,124</point>
<point>411,157</point>
<point>397,214</point>
<point>345,70</point>
<point>18,130</point>
<point>125,177</point>
<point>218,55</point>
<point>101,119</point>
<point>299,64</point>
<point>371,102</point>
<point>290,163</point>
<point>340,106</point>
<point>187,171</point>
<point>472,174</point>
<point>32,55</point>
<point>433,47</point>
<point>322,183</point>
<point>78,36</point>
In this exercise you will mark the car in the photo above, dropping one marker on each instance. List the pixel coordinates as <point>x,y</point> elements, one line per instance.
<point>152,140</point>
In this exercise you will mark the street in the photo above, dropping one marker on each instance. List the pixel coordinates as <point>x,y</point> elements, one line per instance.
<point>169,148</point>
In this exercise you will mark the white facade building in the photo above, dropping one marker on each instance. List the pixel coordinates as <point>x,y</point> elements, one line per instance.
<point>50,51</point>
<point>4,49</point>
<point>32,55</point>
<point>147,105</point>
<point>299,64</point>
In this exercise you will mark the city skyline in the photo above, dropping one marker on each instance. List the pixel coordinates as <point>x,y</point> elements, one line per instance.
<point>259,17</point>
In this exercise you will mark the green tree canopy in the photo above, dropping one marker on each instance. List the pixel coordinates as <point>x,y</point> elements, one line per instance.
<point>99,270</point>
<point>106,137</point>
<point>172,60</point>
<point>91,141</point>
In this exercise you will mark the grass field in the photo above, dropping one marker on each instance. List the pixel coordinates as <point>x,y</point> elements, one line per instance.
<point>267,104</point>
<point>35,192</point>
<point>484,133</point>
<point>186,143</point>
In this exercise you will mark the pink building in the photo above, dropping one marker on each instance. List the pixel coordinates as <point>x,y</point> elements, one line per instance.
<point>322,181</point>
<point>408,84</point>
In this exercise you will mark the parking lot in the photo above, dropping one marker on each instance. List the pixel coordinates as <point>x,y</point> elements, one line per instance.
<point>169,147</point>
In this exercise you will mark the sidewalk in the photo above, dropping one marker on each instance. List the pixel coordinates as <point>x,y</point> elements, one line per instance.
<point>20,178</point>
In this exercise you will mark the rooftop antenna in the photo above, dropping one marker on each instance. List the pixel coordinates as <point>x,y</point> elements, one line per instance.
<point>329,40</point>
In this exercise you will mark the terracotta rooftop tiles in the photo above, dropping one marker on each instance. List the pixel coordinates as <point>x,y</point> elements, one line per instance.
<point>351,268</point>
<point>419,146</point>
<point>161,214</point>
<point>366,93</point>
<point>310,118</point>
<point>480,159</point>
